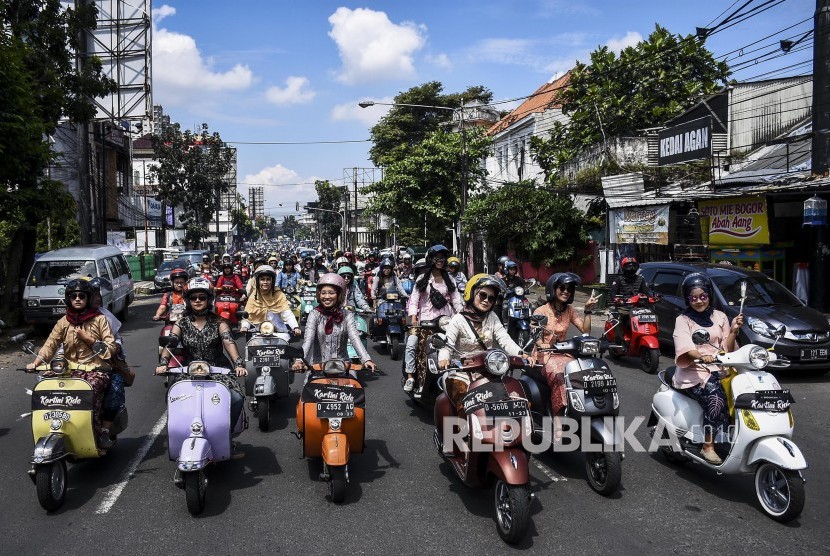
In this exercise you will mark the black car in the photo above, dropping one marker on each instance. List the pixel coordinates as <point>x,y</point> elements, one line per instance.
<point>162,280</point>
<point>768,304</point>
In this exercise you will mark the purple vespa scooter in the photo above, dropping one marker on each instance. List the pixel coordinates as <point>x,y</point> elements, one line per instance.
<point>199,430</point>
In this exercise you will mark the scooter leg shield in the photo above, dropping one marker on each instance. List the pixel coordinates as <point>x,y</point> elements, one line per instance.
<point>777,450</point>
<point>336,449</point>
<point>194,454</point>
<point>605,430</point>
<point>511,466</point>
<point>650,342</point>
<point>49,448</point>
<point>265,385</point>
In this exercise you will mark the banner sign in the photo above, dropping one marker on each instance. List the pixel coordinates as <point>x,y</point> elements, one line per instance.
<point>685,142</point>
<point>741,221</point>
<point>649,224</point>
<point>153,212</point>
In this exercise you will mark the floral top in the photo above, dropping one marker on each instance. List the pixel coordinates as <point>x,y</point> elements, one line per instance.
<point>204,344</point>
<point>557,326</point>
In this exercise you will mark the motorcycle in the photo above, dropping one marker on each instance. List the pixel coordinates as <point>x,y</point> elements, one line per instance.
<point>308,295</point>
<point>518,312</point>
<point>294,301</point>
<point>266,354</point>
<point>388,329</point>
<point>199,430</point>
<point>228,304</point>
<point>362,329</point>
<point>639,339</point>
<point>495,411</point>
<point>592,400</point>
<point>62,424</point>
<point>331,422</point>
<point>175,312</point>
<point>759,440</point>
<point>408,283</point>
<point>426,387</point>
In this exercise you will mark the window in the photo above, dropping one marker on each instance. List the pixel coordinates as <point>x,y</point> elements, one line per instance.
<point>121,264</point>
<point>667,283</point>
<point>60,272</point>
<point>103,271</point>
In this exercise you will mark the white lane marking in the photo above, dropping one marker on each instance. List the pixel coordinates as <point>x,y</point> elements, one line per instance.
<point>547,471</point>
<point>115,491</point>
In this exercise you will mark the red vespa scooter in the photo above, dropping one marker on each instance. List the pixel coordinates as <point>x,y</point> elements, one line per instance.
<point>227,304</point>
<point>639,337</point>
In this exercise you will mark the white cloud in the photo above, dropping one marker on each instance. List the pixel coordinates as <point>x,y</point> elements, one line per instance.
<point>282,188</point>
<point>372,47</point>
<point>162,12</point>
<point>441,60</point>
<point>181,73</point>
<point>273,175</point>
<point>618,45</point>
<point>369,115</point>
<point>296,91</point>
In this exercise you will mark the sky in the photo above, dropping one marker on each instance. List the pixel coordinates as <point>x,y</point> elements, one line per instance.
<point>275,71</point>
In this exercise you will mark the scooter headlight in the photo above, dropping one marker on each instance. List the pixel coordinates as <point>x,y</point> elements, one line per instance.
<point>196,428</point>
<point>589,347</point>
<point>198,369</point>
<point>520,291</point>
<point>576,401</point>
<point>334,424</point>
<point>758,357</point>
<point>497,362</point>
<point>266,328</point>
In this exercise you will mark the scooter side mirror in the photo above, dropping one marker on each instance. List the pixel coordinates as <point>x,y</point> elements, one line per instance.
<point>242,314</point>
<point>99,347</point>
<point>539,320</point>
<point>437,341</point>
<point>28,347</point>
<point>700,337</point>
<point>780,331</point>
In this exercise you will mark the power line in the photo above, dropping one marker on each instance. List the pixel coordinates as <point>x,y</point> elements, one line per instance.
<point>299,142</point>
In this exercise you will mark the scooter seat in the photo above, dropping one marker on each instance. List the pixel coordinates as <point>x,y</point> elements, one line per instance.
<point>667,378</point>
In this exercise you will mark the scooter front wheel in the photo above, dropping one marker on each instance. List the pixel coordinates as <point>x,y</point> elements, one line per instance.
<point>395,349</point>
<point>512,511</point>
<point>604,470</point>
<point>263,413</point>
<point>649,359</point>
<point>195,487</point>
<point>337,483</point>
<point>780,492</point>
<point>50,480</point>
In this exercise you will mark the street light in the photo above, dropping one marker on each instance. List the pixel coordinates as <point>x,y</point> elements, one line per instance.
<point>460,111</point>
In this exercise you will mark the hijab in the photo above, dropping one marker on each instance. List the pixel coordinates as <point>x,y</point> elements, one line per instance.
<point>702,318</point>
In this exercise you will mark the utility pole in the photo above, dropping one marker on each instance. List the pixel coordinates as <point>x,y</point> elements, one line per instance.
<point>821,144</point>
<point>462,243</point>
<point>355,243</point>
<point>85,213</point>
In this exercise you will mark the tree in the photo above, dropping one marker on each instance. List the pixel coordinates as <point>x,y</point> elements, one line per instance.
<point>244,228</point>
<point>289,225</point>
<point>328,198</point>
<point>541,223</point>
<point>40,83</point>
<point>423,190</point>
<point>644,86</point>
<point>192,171</point>
<point>404,127</point>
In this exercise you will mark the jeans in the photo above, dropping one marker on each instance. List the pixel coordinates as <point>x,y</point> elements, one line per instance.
<point>237,404</point>
<point>114,398</point>
<point>411,351</point>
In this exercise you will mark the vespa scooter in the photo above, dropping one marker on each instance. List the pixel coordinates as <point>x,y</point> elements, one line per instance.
<point>388,329</point>
<point>639,337</point>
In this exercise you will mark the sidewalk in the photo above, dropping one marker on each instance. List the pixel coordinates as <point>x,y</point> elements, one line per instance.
<point>144,288</point>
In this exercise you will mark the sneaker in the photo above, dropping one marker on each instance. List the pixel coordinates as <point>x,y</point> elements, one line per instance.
<point>409,385</point>
<point>104,440</point>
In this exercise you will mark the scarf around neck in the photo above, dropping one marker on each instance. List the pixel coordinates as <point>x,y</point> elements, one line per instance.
<point>333,315</point>
<point>703,319</point>
<point>474,314</point>
<point>79,318</point>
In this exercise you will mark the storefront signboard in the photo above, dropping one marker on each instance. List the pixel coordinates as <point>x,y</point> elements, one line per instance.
<point>648,224</point>
<point>741,221</point>
<point>685,142</point>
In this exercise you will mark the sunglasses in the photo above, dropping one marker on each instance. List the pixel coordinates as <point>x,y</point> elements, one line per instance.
<point>440,259</point>
<point>566,288</point>
<point>696,298</point>
<point>198,297</point>
<point>78,295</point>
<point>485,297</point>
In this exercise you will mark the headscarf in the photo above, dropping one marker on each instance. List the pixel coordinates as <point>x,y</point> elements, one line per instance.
<point>333,315</point>
<point>76,318</point>
<point>259,305</point>
<point>702,318</point>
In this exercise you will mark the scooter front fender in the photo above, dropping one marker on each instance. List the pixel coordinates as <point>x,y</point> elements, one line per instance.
<point>49,448</point>
<point>335,449</point>
<point>649,341</point>
<point>774,450</point>
<point>194,454</point>
<point>511,466</point>
<point>265,385</point>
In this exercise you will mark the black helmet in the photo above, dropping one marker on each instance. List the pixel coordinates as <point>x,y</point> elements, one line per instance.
<point>511,264</point>
<point>436,250</point>
<point>696,280</point>
<point>387,262</point>
<point>503,260</point>
<point>78,285</point>
<point>100,286</point>
<point>561,279</point>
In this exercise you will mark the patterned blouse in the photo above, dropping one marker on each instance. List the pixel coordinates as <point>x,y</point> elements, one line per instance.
<point>205,344</point>
<point>320,347</point>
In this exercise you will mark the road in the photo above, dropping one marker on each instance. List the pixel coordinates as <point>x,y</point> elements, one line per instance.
<point>401,498</point>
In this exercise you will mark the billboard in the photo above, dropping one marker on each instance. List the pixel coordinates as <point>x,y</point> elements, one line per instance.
<point>649,224</point>
<point>685,142</point>
<point>736,221</point>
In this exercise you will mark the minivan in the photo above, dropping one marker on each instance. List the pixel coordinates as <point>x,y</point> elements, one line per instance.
<point>43,302</point>
<point>768,305</point>
<point>195,257</point>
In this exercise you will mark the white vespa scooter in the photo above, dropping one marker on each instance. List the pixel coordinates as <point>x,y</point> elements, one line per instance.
<point>760,437</point>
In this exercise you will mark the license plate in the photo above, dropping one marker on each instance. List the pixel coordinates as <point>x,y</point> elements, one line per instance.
<point>59,310</point>
<point>329,410</point>
<point>265,360</point>
<point>600,387</point>
<point>309,299</point>
<point>507,408</point>
<point>818,354</point>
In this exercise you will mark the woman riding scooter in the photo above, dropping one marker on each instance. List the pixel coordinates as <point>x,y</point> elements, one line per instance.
<point>77,331</point>
<point>206,337</point>
<point>702,382</point>
<point>454,269</point>
<point>268,299</point>
<point>386,281</point>
<point>354,297</point>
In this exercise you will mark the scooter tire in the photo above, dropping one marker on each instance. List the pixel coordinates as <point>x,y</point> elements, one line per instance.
<point>512,505</point>
<point>395,349</point>
<point>780,492</point>
<point>263,413</point>
<point>337,483</point>
<point>51,482</point>
<point>195,488</point>
<point>649,359</point>
<point>604,471</point>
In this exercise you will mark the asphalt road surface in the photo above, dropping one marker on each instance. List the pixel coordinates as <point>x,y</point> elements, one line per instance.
<point>401,498</point>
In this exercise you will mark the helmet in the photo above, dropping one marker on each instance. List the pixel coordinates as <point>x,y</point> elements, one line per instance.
<point>178,273</point>
<point>332,279</point>
<point>434,251</point>
<point>79,285</point>
<point>288,262</point>
<point>503,260</point>
<point>226,255</point>
<point>206,259</point>
<point>387,262</point>
<point>343,270</point>
<point>341,261</point>
<point>338,254</point>
<point>629,266</point>
<point>200,284</point>
<point>407,257</point>
<point>272,258</point>
<point>308,259</point>
<point>263,270</point>
<point>100,286</point>
<point>227,264</point>
<point>454,261</point>
<point>318,257</point>
<point>696,280</point>
<point>511,264</point>
<point>483,280</point>
<point>561,279</point>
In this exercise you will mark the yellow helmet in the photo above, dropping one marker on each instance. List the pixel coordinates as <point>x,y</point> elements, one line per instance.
<point>453,260</point>
<point>483,280</point>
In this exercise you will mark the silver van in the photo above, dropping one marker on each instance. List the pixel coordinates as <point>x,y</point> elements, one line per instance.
<point>43,302</point>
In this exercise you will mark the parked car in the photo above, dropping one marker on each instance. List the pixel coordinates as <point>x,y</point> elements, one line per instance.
<point>768,304</point>
<point>195,257</point>
<point>162,280</point>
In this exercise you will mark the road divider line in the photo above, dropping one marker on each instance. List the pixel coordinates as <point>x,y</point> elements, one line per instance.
<point>549,473</point>
<point>115,491</point>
